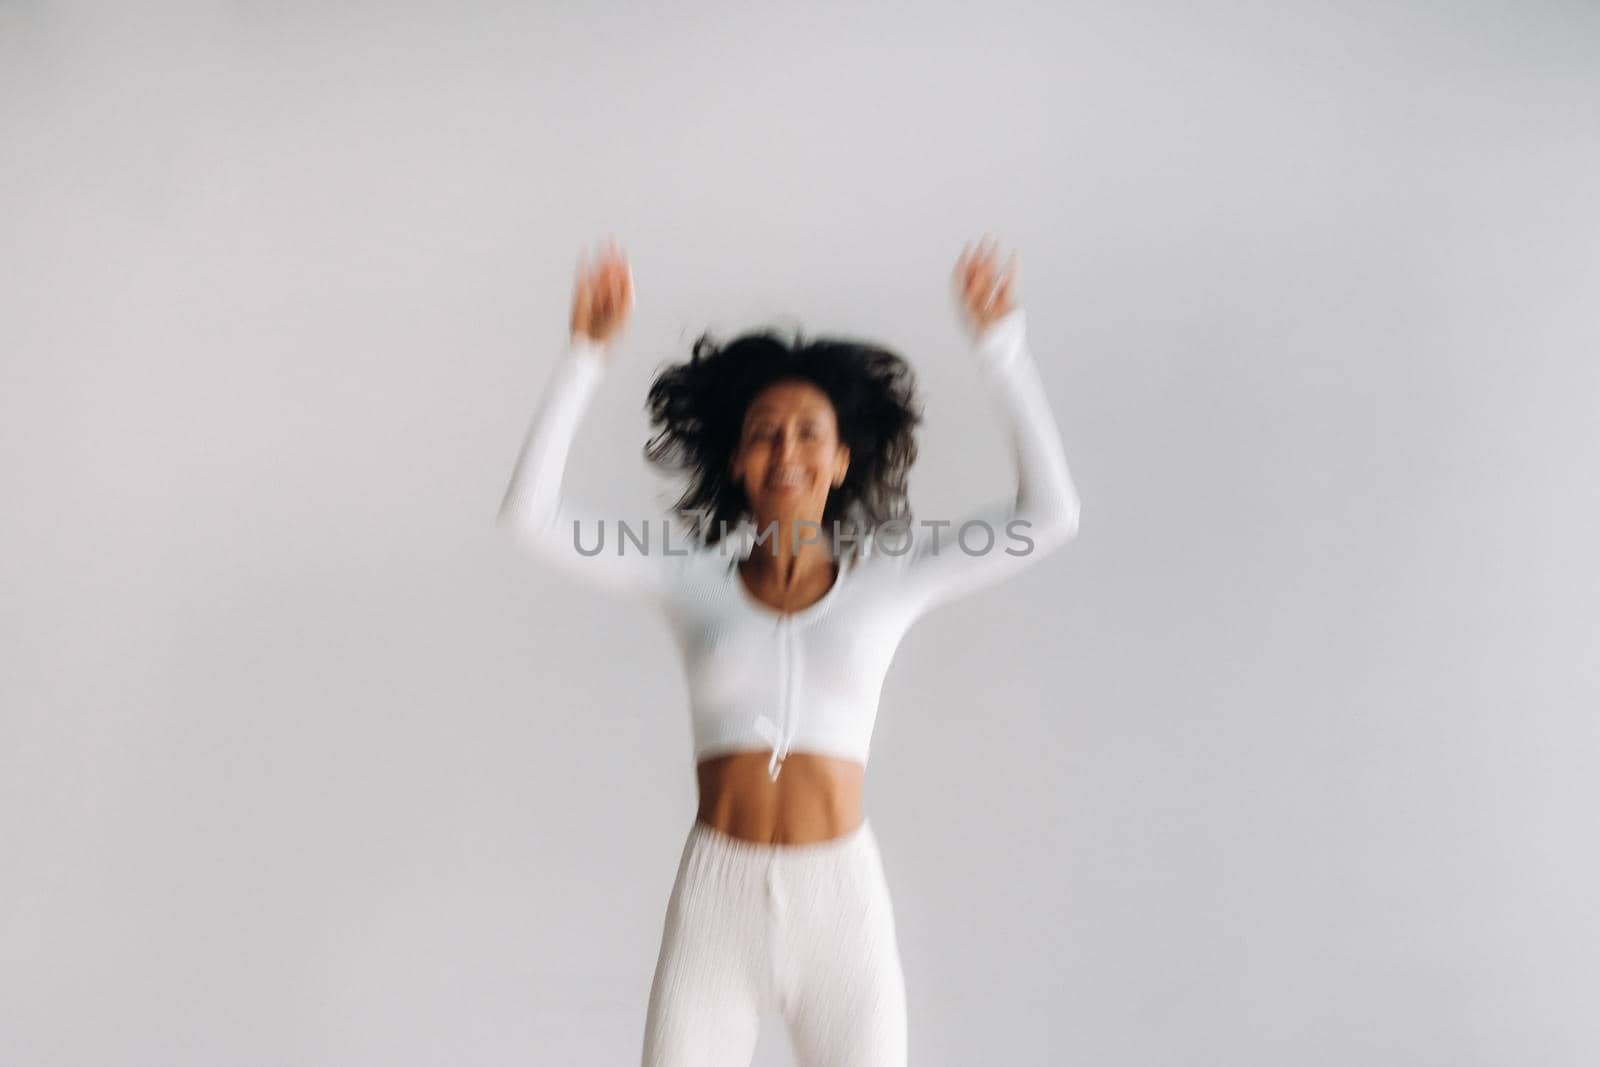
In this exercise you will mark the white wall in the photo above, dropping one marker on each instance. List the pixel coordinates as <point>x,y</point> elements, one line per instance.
<point>1289,759</point>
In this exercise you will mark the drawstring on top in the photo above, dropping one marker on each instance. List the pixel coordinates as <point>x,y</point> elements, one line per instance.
<point>780,745</point>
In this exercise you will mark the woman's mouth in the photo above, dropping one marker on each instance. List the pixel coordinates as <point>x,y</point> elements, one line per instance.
<point>786,481</point>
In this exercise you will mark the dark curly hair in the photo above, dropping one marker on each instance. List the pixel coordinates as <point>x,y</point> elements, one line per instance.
<point>698,406</point>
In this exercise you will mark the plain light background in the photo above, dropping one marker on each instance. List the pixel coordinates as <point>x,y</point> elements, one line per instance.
<point>1289,759</point>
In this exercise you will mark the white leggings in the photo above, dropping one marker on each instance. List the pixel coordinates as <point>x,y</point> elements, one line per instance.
<point>805,931</point>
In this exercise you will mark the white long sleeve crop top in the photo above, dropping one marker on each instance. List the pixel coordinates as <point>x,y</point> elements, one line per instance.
<point>806,680</point>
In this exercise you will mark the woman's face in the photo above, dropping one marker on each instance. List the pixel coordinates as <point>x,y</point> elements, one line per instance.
<point>789,455</point>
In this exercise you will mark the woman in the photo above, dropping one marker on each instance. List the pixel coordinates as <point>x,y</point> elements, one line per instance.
<point>780,902</point>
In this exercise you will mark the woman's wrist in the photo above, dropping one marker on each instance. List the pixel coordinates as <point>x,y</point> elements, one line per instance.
<point>997,342</point>
<point>580,343</point>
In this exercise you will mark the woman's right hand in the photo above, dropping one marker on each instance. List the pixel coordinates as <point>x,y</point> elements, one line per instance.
<point>984,288</point>
<point>602,295</point>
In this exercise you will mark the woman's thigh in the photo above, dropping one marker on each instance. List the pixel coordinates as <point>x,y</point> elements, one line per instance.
<point>704,1008</point>
<point>844,997</point>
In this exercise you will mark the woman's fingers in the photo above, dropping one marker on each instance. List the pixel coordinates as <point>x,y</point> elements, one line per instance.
<point>1002,292</point>
<point>617,283</point>
<point>583,295</point>
<point>1002,283</point>
<point>977,259</point>
<point>980,283</point>
<point>603,291</point>
<point>614,273</point>
<point>987,287</point>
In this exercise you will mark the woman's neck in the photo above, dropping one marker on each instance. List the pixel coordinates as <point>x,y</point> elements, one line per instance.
<point>780,561</point>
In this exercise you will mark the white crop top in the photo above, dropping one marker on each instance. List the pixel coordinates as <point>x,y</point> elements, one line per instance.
<point>806,680</point>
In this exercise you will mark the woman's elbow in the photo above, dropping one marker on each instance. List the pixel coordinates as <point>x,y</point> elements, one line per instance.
<point>509,520</point>
<point>524,529</point>
<point>1058,526</point>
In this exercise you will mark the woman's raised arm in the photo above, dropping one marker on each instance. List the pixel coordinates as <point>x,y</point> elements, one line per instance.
<point>540,518</point>
<point>986,546</point>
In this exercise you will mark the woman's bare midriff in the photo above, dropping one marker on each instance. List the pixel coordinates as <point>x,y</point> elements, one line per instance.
<point>816,798</point>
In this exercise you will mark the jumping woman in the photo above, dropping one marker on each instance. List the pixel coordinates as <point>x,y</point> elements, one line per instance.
<point>796,455</point>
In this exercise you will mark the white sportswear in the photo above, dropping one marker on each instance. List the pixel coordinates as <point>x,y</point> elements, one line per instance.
<point>805,680</point>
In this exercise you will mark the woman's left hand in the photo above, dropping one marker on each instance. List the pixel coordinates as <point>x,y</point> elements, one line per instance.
<point>983,289</point>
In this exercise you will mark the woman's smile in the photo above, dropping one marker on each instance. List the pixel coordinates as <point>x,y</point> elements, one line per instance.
<point>783,481</point>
